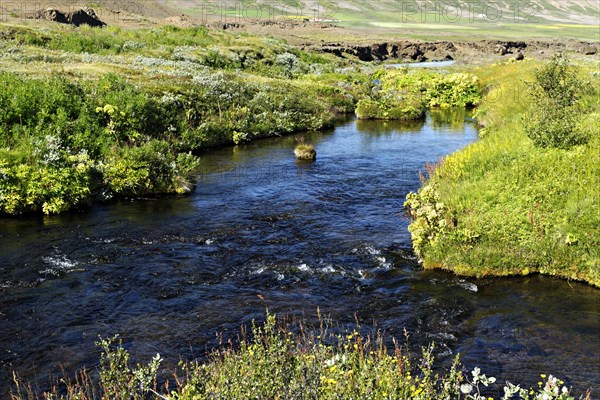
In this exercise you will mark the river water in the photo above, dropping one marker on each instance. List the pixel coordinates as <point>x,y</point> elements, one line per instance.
<point>169,274</point>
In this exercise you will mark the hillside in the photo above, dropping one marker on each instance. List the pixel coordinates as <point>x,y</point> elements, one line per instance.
<point>354,19</point>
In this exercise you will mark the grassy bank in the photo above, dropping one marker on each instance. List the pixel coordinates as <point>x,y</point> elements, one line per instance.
<point>507,205</point>
<point>94,114</point>
<point>406,95</point>
<point>273,362</point>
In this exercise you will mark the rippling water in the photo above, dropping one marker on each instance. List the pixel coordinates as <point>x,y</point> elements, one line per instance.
<point>169,274</point>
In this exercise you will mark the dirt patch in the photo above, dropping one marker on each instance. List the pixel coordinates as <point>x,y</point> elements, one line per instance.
<point>181,21</point>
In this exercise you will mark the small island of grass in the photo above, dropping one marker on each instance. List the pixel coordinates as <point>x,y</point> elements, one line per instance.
<point>305,152</point>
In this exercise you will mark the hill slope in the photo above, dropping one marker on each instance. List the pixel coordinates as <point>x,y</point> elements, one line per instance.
<point>410,18</point>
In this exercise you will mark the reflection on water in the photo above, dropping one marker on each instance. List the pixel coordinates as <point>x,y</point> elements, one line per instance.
<point>371,127</point>
<point>456,118</point>
<point>168,273</point>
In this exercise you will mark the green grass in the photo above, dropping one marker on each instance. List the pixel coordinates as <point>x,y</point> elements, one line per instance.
<point>503,206</point>
<point>305,151</point>
<point>431,26</point>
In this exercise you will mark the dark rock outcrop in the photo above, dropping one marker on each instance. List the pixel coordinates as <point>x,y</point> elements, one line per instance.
<point>415,51</point>
<point>410,50</point>
<point>85,16</point>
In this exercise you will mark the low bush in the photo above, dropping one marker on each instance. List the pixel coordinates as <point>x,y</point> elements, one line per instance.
<point>556,109</point>
<point>305,151</point>
<point>405,95</point>
<point>272,362</point>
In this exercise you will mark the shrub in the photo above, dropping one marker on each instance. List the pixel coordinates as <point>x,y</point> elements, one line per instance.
<point>391,106</point>
<point>453,90</point>
<point>119,379</point>
<point>150,168</point>
<point>552,119</point>
<point>427,218</point>
<point>51,188</point>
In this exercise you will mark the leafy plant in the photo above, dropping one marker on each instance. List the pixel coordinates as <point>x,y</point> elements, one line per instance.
<point>272,362</point>
<point>118,379</point>
<point>556,109</point>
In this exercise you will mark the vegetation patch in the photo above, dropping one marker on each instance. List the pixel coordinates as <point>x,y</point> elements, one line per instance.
<point>523,198</point>
<point>272,362</point>
<point>93,114</point>
<point>305,151</point>
<point>403,94</point>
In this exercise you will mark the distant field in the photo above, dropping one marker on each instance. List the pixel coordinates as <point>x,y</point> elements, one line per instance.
<point>423,19</point>
<point>438,27</point>
<point>577,19</point>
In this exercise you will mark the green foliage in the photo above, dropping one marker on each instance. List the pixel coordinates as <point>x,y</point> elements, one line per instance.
<point>66,143</point>
<point>150,168</point>
<point>305,151</point>
<point>453,90</point>
<point>221,110</point>
<point>391,106</point>
<point>118,379</point>
<point>437,89</point>
<point>49,188</point>
<point>272,362</point>
<point>511,207</point>
<point>427,215</point>
<point>556,109</point>
<point>112,40</point>
<point>404,95</point>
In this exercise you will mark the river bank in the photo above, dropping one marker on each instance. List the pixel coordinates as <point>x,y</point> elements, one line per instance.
<point>504,206</point>
<point>97,114</point>
<point>179,275</point>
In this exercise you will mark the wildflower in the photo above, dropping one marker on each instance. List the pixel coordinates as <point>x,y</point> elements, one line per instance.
<point>466,388</point>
